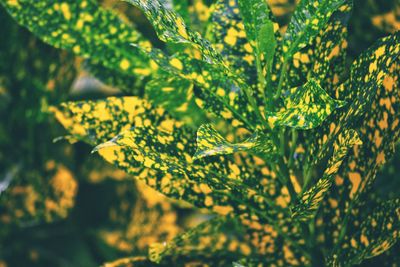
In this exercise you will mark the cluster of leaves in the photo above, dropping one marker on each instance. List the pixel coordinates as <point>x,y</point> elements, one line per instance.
<point>39,180</point>
<point>262,125</point>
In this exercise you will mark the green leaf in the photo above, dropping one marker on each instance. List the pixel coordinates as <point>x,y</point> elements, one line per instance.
<point>182,179</point>
<point>377,233</point>
<point>259,26</point>
<point>312,198</point>
<point>260,31</point>
<point>309,18</point>
<point>95,121</point>
<point>170,27</point>
<point>267,43</point>
<point>323,59</point>
<point>306,107</point>
<point>219,185</point>
<point>164,161</point>
<point>85,29</point>
<point>329,50</point>
<point>210,143</point>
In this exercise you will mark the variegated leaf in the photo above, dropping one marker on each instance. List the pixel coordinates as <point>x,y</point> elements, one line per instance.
<point>373,88</point>
<point>309,18</point>
<point>377,233</point>
<point>210,143</point>
<point>218,91</point>
<point>311,199</point>
<point>170,27</point>
<point>307,107</point>
<point>85,29</point>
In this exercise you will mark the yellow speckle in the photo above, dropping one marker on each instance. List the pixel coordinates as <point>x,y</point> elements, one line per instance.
<point>223,210</point>
<point>65,10</point>
<point>143,72</point>
<point>205,188</point>
<point>353,243</point>
<point>235,169</point>
<point>181,28</point>
<point>355,179</point>
<point>208,201</point>
<point>167,125</point>
<point>76,49</point>
<point>231,37</point>
<point>248,48</point>
<point>380,51</point>
<point>221,92</point>
<point>364,240</point>
<point>12,2</point>
<point>176,63</point>
<point>148,162</point>
<point>124,65</point>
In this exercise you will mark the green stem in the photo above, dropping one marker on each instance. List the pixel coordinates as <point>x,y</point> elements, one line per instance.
<point>261,79</point>
<point>292,148</point>
<point>282,77</point>
<point>255,107</point>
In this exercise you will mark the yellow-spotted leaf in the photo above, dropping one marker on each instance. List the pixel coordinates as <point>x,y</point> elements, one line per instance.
<point>378,232</point>
<point>312,198</point>
<point>211,143</point>
<point>85,29</point>
<point>372,91</point>
<point>306,107</point>
<point>226,31</point>
<point>217,189</point>
<point>95,121</point>
<point>170,27</point>
<point>309,18</point>
<point>217,90</point>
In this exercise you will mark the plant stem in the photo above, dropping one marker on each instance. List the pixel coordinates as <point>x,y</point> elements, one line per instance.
<point>261,79</point>
<point>292,148</point>
<point>255,107</point>
<point>282,77</point>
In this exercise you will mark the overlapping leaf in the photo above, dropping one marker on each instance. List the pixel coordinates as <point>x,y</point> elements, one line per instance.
<point>323,58</point>
<point>312,198</point>
<point>260,29</point>
<point>309,18</point>
<point>306,107</point>
<point>183,179</point>
<point>170,27</point>
<point>227,32</point>
<point>373,84</point>
<point>220,92</point>
<point>205,191</point>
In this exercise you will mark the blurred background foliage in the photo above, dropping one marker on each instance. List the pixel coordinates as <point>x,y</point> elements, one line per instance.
<point>62,206</point>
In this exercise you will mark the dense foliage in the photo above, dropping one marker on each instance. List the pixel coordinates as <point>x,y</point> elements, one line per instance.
<point>265,138</point>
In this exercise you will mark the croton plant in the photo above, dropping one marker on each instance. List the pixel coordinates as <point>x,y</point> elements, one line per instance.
<point>263,125</point>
